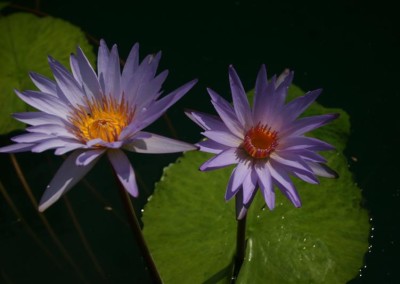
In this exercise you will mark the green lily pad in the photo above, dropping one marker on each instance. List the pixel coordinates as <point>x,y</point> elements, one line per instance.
<point>191,230</point>
<point>26,41</point>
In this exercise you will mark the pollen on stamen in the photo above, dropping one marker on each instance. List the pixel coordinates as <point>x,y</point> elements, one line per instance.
<point>260,141</point>
<point>104,118</point>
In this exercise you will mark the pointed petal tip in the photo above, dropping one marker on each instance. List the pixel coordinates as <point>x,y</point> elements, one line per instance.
<point>186,87</point>
<point>263,69</point>
<point>240,214</point>
<point>271,206</point>
<point>188,111</point>
<point>124,171</point>
<point>203,168</point>
<point>329,173</point>
<point>193,82</point>
<point>51,60</point>
<point>46,202</point>
<point>213,94</point>
<point>43,207</point>
<point>231,70</point>
<point>331,117</point>
<point>136,194</point>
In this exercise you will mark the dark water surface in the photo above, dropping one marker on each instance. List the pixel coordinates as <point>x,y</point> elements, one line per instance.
<point>348,48</point>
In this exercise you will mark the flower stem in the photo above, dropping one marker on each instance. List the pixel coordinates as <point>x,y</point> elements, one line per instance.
<point>137,232</point>
<point>240,247</point>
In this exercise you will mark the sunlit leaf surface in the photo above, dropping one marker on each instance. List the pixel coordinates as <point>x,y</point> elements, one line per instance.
<point>26,41</point>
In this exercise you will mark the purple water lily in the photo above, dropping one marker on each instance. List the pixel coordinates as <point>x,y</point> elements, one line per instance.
<point>266,141</point>
<point>94,114</point>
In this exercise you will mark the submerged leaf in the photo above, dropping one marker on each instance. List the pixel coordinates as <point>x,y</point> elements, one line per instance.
<point>191,230</point>
<point>26,41</point>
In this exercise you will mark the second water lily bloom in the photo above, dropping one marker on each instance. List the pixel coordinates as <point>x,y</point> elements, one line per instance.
<point>92,114</point>
<point>267,142</point>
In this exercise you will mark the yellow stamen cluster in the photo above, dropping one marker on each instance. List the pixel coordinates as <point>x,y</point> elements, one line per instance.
<point>260,141</point>
<point>104,118</point>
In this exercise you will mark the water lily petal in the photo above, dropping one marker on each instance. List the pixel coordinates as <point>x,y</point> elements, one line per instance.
<point>240,101</point>
<point>223,159</point>
<point>156,144</point>
<point>290,160</point>
<point>124,171</point>
<point>89,80</point>
<point>86,157</point>
<point>30,137</point>
<point>66,177</point>
<point>44,102</point>
<point>296,107</point>
<point>99,142</point>
<point>44,84</point>
<point>243,205</point>
<point>281,87</point>
<point>223,137</point>
<point>260,88</point>
<point>102,62</point>
<point>265,184</point>
<point>249,187</point>
<point>16,148</point>
<point>38,118</point>
<point>323,170</point>
<point>300,143</point>
<point>241,209</point>
<point>51,143</point>
<point>285,78</point>
<point>237,178</point>
<point>112,75</point>
<point>69,147</point>
<point>307,155</point>
<point>149,92</point>
<point>306,124</point>
<point>52,129</point>
<point>305,176</point>
<point>283,181</point>
<point>263,108</point>
<point>131,65</point>
<point>206,121</point>
<point>210,146</point>
<point>157,109</point>
<point>66,83</point>
<point>227,113</point>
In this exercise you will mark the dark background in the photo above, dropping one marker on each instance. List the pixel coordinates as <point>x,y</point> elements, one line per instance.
<point>348,48</point>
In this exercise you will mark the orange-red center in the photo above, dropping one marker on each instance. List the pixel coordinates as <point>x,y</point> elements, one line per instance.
<point>260,141</point>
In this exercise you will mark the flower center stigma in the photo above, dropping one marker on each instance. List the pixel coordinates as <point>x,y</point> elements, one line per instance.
<point>104,118</point>
<point>260,141</point>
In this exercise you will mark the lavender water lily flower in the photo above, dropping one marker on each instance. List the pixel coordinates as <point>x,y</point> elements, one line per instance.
<point>266,141</point>
<point>95,114</point>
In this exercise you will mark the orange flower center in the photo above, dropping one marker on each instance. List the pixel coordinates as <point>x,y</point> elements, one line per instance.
<point>104,119</point>
<point>259,142</point>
